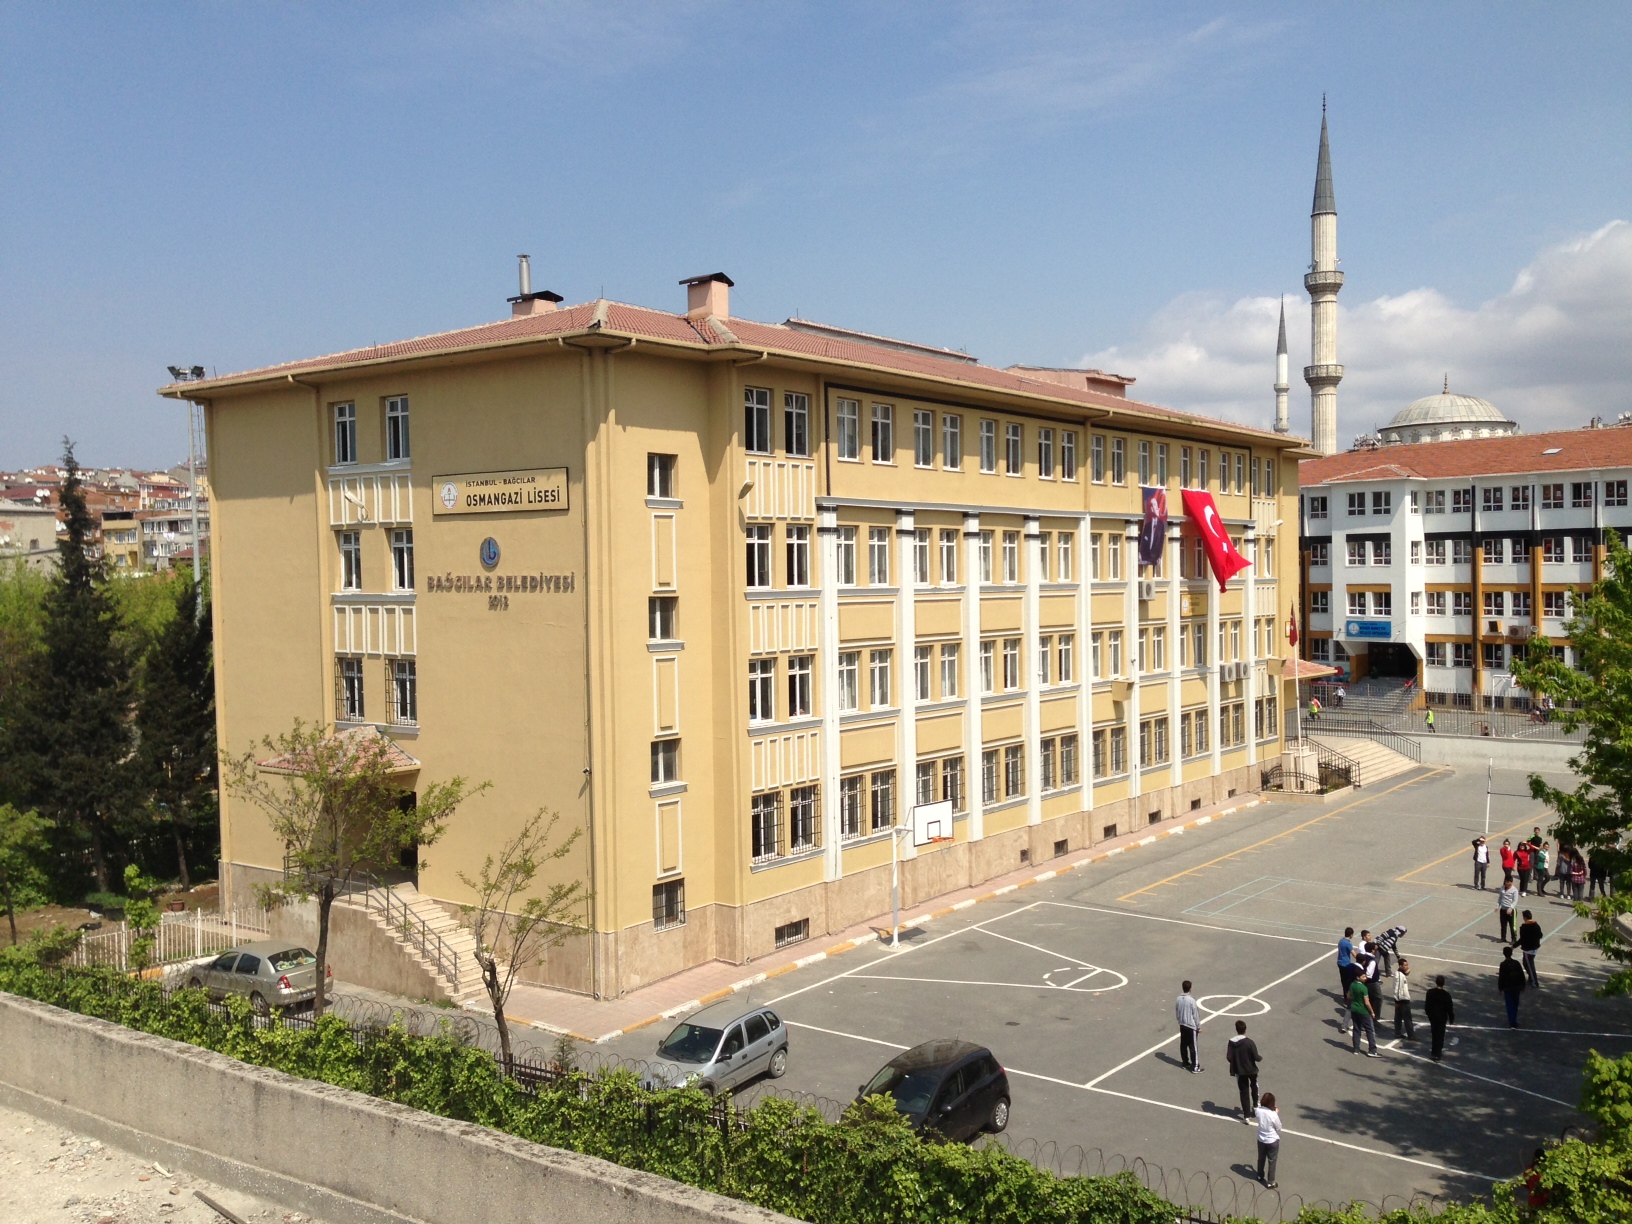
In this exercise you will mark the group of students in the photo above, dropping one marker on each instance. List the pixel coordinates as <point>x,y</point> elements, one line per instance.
<point>1362,967</point>
<point>1532,861</point>
<point>1241,1055</point>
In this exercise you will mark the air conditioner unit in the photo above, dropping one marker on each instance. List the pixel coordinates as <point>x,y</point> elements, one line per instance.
<point>1147,590</point>
<point>1494,626</point>
<point>1518,633</point>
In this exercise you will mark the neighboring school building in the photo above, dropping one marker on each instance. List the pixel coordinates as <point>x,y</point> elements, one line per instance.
<point>1437,561</point>
<point>735,598</point>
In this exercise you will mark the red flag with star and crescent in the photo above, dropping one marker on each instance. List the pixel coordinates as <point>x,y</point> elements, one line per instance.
<point>1222,555</point>
<point>1292,626</point>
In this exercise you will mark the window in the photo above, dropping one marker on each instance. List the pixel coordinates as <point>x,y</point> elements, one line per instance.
<point>1144,463</point>
<point>402,560</point>
<point>1435,653</point>
<point>345,433</point>
<point>396,427</point>
<point>1269,478</point>
<point>1581,494</point>
<point>883,433</point>
<point>1045,659</point>
<point>1119,461</point>
<point>849,438</point>
<point>949,557</point>
<point>949,670</point>
<point>988,656</point>
<point>988,446</point>
<point>1113,644</point>
<point>1161,464</point>
<point>1382,603</point>
<point>1045,454</point>
<point>883,796</point>
<point>1096,653</point>
<point>920,556</point>
<point>1382,552</point>
<point>1434,552</point>
<point>878,678</point>
<point>844,554</point>
<point>661,612</point>
<point>1153,748</point>
<point>1614,492</point>
<point>349,689</point>
<point>1240,482</point>
<point>1580,548</point>
<point>951,441</point>
<point>1320,603</point>
<point>1552,550</point>
<point>799,668</point>
<point>1495,603</point>
<point>759,556</point>
<point>952,783</point>
<point>1318,507</point>
<point>1491,499</point>
<point>1158,648</point>
<point>351,561</point>
<point>1011,557</point>
<point>1461,552</point>
<point>756,423</point>
<point>921,671</point>
<point>798,555</point>
<point>1014,772</point>
<point>1094,570</point>
<point>1047,759</point>
<point>761,690</point>
<point>1100,763</point>
<point>1461,654</point>
<point>1119,750</point>
<point>1433,501</point>
<point>1067,658</point>
<point>1068,760</point>
<point>804,832</point>
<point>878,556</point>
<point>850,806</point>
<point>765,821</point>
<point>1320,554</point>
<point>1068,454</point>
<point>1201,467</point>
<point>1096,459</point>
<point>1493,549</point>
<point>1519,497</point>
<point>1416,552</point>
<point>924,791</point>
<point>404,692</point>
<point>1416,501</point>
<point>1357,603</point>
<point>1184,466</point>
<point>1358,552</point>
<point>669,904</point>
<point>660,475</point>
<point>1552,605</point>
<point>796,423</point>
<point>988,776</point>
<point>1257,481</point>
<point>665,761</point>
<point>1011,664</point>
<point>1461,501</point>
<point>1066,569</point>
<point>923,437</point>
<point>1320,650</point>
<point>1436,603</point>
<point>1114,546</point>
<point>985,556</point>
<point>1495,656</point>
<point>1357,505</point>
<point>1013,457</point>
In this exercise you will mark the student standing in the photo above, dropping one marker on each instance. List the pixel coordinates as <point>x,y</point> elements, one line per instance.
<point>1509,859</point>
<point>1481,862</point>
<point>1345,961</point>
<point>1510,981</point>
<point>1440,1010</point>
<point>1189,1017</point>
<point>1431,726</point>
<point>1530,942</point>
<point>1543,861</point>
<point>1521,860</point>
<point>1507,900</point>
<point>1362,1017</point>
<point>1269,1140</point>
<point>1578,876</point>
<point>1598,872</point>
<point>1374,985</point>
<point>1242,1056</point>
<point>1402,1003</point>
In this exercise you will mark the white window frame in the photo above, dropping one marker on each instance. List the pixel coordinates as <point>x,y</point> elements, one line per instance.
<point>849,430</point>
<point>396,429</point>
<point>923,438</point>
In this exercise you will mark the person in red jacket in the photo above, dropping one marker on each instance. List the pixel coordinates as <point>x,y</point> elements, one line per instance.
<point>1521,859</point>
<point>1508,858</point>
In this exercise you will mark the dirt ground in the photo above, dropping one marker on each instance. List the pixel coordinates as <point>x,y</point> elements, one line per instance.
<point>53,1176</point>
<point>200,896</point>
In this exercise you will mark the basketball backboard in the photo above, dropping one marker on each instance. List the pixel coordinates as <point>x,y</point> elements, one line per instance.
<point>931,822</point>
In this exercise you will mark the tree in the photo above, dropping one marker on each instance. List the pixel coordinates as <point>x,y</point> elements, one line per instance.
<point>70,734</point>
<point>1596,694</point>
<point>524,933</point>
<point>337,803</point>
<point>22,842</point>
<point>175,723</point>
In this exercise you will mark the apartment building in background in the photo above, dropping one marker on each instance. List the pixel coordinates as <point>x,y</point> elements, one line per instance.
<point>1437,561</point>
<point>733,598</point>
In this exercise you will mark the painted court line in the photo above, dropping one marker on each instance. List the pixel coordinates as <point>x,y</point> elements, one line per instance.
<point>836,1033</point>
<point>1394,1047</point>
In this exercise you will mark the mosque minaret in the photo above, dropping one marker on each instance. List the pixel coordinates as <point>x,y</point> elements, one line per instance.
<point>1282,425</point>
<point>1323,282</point>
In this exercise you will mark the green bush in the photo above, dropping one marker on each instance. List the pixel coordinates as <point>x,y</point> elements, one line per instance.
<point>869,1168</point>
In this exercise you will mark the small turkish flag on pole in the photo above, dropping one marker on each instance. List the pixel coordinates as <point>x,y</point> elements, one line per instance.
<point>1292,626</point>
<point>1222,555</point>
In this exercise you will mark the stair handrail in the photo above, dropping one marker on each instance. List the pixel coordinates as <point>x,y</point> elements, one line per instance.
<point>1277,776</point>
<point>1370,728</point>
<point>1329,758</point>
<point>375,894</point>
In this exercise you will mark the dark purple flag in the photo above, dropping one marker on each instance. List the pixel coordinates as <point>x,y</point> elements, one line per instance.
<point>1153,530</point>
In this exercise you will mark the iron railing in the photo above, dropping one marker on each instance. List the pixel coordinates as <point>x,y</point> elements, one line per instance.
<point>1279,778</point>
<point>1336,771</point>
<point>1368,728</point>
<point>371,893</point>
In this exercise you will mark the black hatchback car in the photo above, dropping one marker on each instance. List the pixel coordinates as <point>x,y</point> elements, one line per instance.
<point>950,1088</point>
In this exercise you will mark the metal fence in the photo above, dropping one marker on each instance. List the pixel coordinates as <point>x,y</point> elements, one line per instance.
<point>178,938</point>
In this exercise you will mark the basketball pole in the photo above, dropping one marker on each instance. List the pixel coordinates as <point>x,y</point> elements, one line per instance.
<point>895,886</point>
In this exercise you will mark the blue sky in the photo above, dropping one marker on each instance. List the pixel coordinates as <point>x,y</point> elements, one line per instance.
<point>1123,185</point>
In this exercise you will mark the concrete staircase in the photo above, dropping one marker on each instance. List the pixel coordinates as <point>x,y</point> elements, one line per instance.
<point>427,934</point>
<point>1375,761</point>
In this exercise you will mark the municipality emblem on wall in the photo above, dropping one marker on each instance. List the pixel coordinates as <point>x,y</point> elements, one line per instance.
<point>490,553</point>
<point>450,494</point>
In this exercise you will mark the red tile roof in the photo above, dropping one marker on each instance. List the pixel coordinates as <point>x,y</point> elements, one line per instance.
<point>1567,450</point>
<point>618,319</point>
<point>359,740</point>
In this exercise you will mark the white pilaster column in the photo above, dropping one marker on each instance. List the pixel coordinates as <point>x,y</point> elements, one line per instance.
<point>1175,651</point>
<point>827,602</point>
<point>1032,718</point>
<point>972,735</point>
<point>1130,657</point>
<point>906,633</point>
<point>1249,634</point>
<point>1215,656</point>
<point>1084,654</point>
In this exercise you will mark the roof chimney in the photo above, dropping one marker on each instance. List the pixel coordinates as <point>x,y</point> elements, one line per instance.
<point>708,295</point>
<point>527,302</point>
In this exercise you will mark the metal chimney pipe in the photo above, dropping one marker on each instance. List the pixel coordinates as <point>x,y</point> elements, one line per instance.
<point>526,270</point>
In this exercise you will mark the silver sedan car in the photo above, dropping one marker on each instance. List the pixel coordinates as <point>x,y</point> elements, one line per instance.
<point>271,975</point>
<point>721,1048</point>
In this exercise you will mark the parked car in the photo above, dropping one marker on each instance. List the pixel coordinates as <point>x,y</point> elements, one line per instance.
<point>720,1048</point>
<point>271,974</point>
<point>952,1089</point>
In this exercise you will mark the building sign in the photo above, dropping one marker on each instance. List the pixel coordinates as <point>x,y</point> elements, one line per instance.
<point>1368,629</point>
<point>500,492</point>
<point>501,584</point>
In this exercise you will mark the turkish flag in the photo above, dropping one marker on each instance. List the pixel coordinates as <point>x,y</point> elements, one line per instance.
<point>1292,626</point>
<point>1222,554</point>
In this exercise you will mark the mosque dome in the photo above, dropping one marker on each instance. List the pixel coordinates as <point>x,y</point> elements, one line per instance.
<point>1446,416</point>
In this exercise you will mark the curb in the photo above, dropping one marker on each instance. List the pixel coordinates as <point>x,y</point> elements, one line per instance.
<point>847,945</point>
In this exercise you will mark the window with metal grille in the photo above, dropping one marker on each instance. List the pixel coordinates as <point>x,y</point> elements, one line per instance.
<point>1014,771</point>
<point>765,825</point>
<point>988,776</point>
<point>1068,760</point>
<point>952,783</point>
<point>883,799</point>
<point>850,806</point>
<point>793,932</point>
<point>804,819</point>
<point>1047,756</point>
<point>348,689</point>
<point>669,904</point>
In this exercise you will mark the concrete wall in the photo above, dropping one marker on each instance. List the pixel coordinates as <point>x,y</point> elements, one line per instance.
<point>310,1146</point>
<point>360,949</point>
<point>1474,752</point>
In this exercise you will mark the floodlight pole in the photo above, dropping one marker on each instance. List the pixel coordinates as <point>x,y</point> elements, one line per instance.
<point>192,491</point>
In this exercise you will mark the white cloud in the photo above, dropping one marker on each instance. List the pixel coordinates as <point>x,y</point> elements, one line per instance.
<point>1551,352</point>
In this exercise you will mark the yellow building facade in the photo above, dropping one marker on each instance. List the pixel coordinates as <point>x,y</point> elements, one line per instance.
<point>734,598</point>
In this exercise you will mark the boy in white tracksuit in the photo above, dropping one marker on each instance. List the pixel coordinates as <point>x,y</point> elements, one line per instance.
<point>1402,1002</point>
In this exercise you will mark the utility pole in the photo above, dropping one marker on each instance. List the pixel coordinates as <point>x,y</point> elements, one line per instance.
<point>192,374</point>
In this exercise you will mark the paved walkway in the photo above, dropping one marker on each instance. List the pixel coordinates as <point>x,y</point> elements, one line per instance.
<point>597,1020</point>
